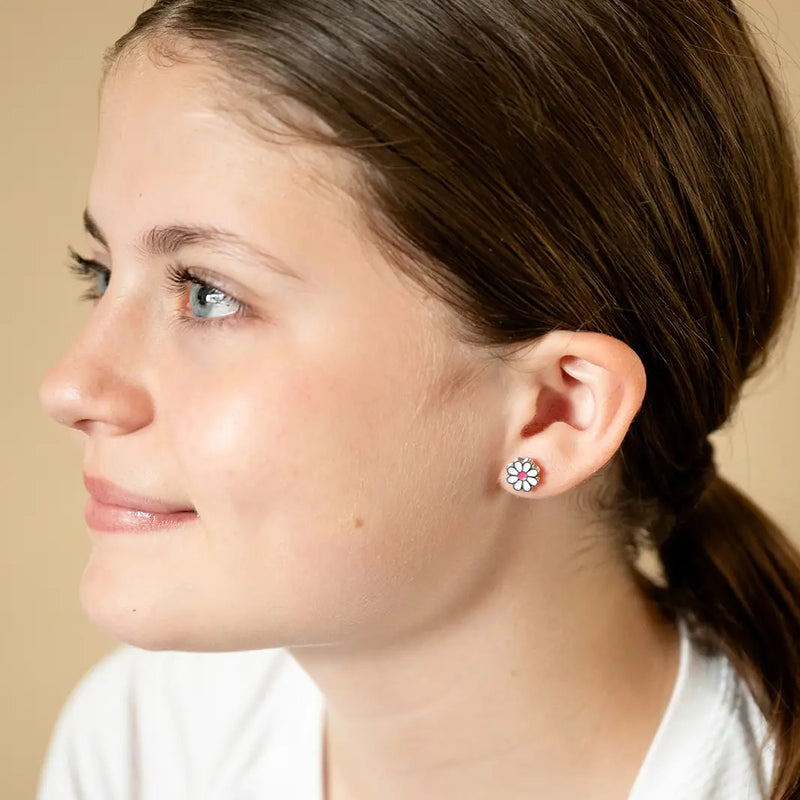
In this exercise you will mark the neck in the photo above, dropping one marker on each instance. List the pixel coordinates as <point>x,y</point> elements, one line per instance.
<point>552,685</point>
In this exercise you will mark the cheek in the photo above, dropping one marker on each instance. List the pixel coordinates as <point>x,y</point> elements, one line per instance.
<point>295,463</point>
<point>325,418</point>
<point>273,471</point>
<point>329,502</point>
<point>282,440</point>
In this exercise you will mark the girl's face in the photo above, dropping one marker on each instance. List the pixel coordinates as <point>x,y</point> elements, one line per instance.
<point>342,451</point>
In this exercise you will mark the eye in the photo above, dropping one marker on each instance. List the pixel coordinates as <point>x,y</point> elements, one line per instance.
<point>204,298</point>
<point>87,270</point>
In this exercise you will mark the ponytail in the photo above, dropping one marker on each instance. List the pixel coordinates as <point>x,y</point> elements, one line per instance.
<point>735,576</point>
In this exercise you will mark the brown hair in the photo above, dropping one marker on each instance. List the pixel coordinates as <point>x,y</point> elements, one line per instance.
<point>617,166</point>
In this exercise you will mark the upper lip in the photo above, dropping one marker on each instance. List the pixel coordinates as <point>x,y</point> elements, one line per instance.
<point>110,494</point>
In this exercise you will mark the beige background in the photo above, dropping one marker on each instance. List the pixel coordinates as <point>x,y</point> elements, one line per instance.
<point>49,67</point>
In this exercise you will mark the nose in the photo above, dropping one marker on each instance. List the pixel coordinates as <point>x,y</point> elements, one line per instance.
<point>98,383</point>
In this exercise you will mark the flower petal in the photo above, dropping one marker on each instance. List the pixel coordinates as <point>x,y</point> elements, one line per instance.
<point>518,484</point>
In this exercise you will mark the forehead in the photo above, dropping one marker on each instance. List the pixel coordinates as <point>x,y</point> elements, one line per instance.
<point>163,136</point>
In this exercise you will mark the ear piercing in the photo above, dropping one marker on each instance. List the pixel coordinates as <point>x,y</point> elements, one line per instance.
<point>523,473</point>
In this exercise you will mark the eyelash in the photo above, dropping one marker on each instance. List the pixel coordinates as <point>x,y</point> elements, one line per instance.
<point>178,278</point>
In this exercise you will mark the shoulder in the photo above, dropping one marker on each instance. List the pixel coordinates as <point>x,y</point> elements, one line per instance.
<point>713,740</point>
<point>738,750</point>
<point>183,679</point>
<point>156,723</point>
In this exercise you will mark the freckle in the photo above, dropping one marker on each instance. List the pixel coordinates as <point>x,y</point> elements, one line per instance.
<point>513,673</point>
<point>359,522</point>
<point>133,609</point>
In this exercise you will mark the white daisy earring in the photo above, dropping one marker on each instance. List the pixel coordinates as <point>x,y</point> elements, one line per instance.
<point>522,474</point>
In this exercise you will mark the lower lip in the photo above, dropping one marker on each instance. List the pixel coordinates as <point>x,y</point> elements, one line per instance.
<point>116,519</point>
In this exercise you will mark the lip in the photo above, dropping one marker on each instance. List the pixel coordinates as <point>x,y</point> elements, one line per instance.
<point>106,493</point>
<point>111,508</point>
<point>110,518</point>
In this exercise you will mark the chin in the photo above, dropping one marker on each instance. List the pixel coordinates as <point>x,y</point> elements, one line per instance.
<point>128,615</point>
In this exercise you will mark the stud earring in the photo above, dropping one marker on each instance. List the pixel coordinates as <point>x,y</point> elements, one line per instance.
<point>522,474</point>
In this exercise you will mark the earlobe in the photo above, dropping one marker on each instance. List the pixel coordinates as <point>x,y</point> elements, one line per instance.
<point>585,388</point>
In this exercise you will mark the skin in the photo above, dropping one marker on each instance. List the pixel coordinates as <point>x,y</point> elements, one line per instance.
<point>346,457</point>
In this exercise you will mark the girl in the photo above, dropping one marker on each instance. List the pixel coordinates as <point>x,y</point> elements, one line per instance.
<point>411,323</point>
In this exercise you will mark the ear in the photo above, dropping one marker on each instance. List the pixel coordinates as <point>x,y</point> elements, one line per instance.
<point>572,396</point>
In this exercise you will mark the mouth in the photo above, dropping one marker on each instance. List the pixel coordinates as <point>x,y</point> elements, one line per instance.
<point>114,509</point>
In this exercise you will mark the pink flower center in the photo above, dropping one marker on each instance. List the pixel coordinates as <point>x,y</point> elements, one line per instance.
<point>523,475</point>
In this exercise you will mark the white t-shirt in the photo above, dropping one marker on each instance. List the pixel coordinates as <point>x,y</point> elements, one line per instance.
<point>248,725</point>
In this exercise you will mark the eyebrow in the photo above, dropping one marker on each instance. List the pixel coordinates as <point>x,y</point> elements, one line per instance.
<point>167,240</point>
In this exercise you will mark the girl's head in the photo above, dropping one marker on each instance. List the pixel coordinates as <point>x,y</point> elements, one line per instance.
<point>480,227</point>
